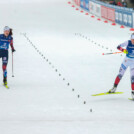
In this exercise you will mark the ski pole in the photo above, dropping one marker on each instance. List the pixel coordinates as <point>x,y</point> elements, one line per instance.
<point>12,66</point>
<point>111,53</point>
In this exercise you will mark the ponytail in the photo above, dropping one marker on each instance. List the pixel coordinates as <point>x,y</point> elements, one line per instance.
<point>11,32</point>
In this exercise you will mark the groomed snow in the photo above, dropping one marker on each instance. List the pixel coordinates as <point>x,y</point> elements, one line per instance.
<point>39,101</point>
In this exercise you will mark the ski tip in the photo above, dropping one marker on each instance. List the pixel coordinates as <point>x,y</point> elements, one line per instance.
<point>7,87</point>
<point>93,95</point>
<point>131,99</point>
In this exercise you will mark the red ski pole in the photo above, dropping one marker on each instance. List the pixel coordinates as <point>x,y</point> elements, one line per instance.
<point>111,53</point>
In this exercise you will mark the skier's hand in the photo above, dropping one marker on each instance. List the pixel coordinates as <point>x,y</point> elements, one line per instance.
<point>13,50</point>
<point>125,51</point>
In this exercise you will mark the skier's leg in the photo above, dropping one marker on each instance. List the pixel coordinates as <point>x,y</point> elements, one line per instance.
<point>4,67</point>
<point>122,70</point>
<point>120,75</point>
<point>132,79</point>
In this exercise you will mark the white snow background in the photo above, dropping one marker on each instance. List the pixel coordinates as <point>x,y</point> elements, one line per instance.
<point>66,55</point>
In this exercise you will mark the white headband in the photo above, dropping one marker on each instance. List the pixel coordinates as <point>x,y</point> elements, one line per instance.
<point>6,28</point>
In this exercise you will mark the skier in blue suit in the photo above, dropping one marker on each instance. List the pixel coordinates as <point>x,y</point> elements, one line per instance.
<point>6,39</point>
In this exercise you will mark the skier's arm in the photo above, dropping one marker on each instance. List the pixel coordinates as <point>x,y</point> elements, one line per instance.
<point>120,47</point>
<point>12,47</point>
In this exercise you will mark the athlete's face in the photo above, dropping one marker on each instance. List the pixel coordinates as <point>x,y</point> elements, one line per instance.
<point>132,40</point>
<point>6,33</point>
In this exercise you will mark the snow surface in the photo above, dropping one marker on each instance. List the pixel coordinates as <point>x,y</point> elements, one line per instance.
<point>39,100</point>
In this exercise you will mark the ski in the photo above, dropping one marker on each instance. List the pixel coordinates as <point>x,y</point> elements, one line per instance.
<point>107,93</point>
<point>6,86</point>
<point>131,99</point>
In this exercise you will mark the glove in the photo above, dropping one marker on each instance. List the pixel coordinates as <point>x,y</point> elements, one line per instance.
<point>13,50</point>
<point>125,51</point>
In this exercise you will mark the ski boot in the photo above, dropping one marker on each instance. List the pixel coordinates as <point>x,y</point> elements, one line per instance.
<point>113,89</point>
<point>132,93</point>
<point>5,83</point>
